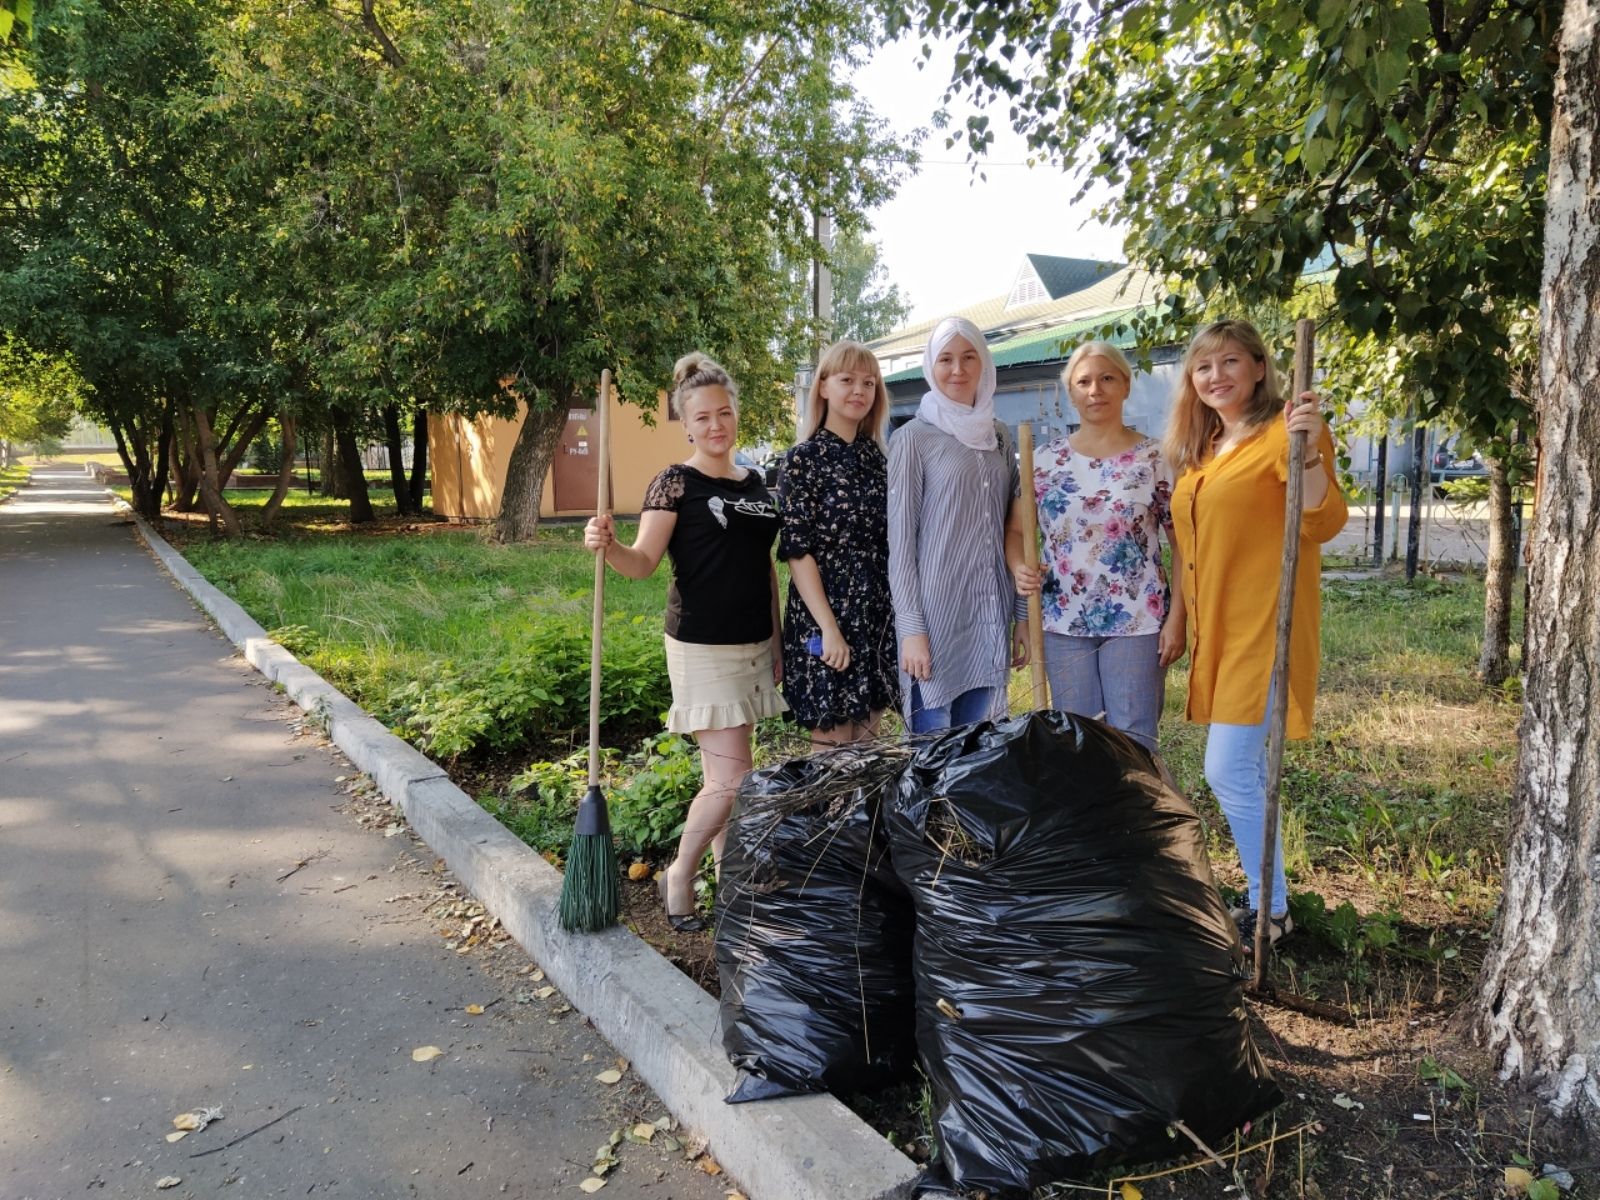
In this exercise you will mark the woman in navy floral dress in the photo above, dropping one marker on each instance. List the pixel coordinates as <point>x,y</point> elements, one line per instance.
<point>840,668</point>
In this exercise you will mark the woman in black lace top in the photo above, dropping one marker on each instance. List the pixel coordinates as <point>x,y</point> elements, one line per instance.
<point>717,523</point>
<point>839,652</point>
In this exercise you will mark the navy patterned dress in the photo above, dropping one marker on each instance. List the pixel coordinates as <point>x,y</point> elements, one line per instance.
<point>833,500</point>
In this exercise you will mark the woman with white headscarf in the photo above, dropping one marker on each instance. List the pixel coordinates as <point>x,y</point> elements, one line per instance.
<point>952,479</point>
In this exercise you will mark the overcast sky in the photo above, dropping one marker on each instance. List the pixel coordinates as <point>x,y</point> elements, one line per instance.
<point>949,238</point>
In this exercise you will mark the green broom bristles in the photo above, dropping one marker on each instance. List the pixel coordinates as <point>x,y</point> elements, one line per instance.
<point>589,891</point>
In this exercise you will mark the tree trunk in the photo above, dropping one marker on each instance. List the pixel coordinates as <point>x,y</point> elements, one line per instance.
<point>186,465</point>
<point>210,479</point>
<point>419,458</point>
<point>136,462</point>
<point>269,514</point>
<point>1494,662</point>
<point>1539,1006</point>
<point>243,433</point>
<point>397,470</point>
<point>530,463</point>
<point>330,484</point>
<point>352,479</point>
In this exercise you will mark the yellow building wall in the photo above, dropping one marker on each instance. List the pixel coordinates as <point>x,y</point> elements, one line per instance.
<point>468,459</point>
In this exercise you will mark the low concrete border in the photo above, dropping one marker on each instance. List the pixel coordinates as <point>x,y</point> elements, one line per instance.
<point>800,1148</point>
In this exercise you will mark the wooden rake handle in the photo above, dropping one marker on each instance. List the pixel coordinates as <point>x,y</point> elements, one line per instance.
<point>1030,555</point>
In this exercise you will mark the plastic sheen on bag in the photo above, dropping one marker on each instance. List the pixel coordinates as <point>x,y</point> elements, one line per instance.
<point>1079,982</point>
<point>813,931</point>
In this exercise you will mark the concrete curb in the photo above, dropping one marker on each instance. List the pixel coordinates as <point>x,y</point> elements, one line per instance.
<point>800,1148</point>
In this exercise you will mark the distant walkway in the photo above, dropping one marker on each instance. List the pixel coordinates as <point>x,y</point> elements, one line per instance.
<point>191,915</point>
<point>1452,533</point>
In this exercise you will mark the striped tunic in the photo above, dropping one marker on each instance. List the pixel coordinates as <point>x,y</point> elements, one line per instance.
<point>947,559</point>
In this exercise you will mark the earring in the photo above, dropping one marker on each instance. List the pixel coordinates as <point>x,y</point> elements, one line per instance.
<point>690,436</point>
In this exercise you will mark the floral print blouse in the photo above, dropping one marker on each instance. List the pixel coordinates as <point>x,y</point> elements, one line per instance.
<point>1099,518</point>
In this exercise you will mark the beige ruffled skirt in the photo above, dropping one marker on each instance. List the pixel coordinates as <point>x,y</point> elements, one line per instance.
<point>720,687</point>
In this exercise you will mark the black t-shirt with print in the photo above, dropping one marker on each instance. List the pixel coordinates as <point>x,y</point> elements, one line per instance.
<point>721,551</point>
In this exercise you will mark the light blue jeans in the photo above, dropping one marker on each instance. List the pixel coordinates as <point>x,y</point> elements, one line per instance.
<point>1121,677</point>
<point>978,704</point>
<point>1236,769</point>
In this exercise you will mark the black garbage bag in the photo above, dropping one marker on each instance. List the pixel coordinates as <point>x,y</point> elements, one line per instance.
<point>1079,982</point>
<point>813,931</point>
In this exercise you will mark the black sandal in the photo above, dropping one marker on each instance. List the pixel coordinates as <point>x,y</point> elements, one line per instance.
<point>680,922</point>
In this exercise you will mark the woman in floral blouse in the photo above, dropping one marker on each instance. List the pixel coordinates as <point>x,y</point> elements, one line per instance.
<point>839,661</point>
<point>1104,498</point>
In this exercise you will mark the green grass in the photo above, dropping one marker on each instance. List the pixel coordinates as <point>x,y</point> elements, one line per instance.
<point>13,477</point>
<point>1398,803</point>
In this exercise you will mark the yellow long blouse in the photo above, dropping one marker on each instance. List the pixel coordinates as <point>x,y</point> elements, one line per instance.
<point>1228,523</point>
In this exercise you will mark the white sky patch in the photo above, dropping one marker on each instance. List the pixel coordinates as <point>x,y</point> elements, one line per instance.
<point>950,238</point>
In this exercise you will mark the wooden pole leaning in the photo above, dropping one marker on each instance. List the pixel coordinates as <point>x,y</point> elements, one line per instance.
<point>1030,554</point>
<point>1293,505</point>
<point>602,505</point>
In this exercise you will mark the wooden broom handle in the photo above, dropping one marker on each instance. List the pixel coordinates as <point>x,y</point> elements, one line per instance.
<point>601,505</point>
<point>1305,333</point>
<point>1030,555</point>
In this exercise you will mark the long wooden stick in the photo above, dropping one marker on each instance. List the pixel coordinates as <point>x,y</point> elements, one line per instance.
<point>1030,555</point>
<point>601,504</point>
<point>1304,358</point>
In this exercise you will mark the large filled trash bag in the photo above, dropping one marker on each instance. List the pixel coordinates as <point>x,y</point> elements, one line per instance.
<point>813,931</point>
<point>1079,982</point>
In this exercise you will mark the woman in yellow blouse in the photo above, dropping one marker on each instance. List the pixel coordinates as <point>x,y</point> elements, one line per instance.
<point>1229,447</point>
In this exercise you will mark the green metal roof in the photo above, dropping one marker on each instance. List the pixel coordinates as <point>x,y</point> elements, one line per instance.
<point>1051,344</point>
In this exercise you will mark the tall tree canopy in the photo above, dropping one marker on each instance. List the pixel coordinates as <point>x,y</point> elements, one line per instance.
<point>865,304</point>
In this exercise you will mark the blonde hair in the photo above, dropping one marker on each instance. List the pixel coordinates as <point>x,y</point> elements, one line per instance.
<point>1096,350</point>
<point>847,356</point>
<point>697,369</point>
<point>1193,427</point>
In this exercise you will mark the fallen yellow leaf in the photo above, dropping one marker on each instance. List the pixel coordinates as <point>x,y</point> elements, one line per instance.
<point>1129,1192</point>
<point>1518,1180</point>
<point>592,1184</point>
<point>545,993</point>
<point>474,1010</point>
<point>178,1136</point>
<point>426,1053</point>
<point>168,1181</point>
<point>709,1165</point>
<point>610,1076</point>
<point>188,1122</point>
<point>644,1131</point>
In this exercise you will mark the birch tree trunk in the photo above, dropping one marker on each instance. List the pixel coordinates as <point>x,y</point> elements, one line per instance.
<point>1539,1006</point>
<point>285,473</point>
<point>1494,661</point>
<point>530,463</point>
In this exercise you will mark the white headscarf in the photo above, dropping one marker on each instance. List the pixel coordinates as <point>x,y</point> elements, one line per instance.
<point>974,426</point>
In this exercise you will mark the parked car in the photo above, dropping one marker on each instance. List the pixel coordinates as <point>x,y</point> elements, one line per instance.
<point>1449,465</point>
<point>767,469</point>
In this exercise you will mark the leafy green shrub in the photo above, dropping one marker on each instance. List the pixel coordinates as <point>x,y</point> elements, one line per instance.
<point>647,813</point>
<point>537,687</point>
<point>1344,929</point>
<point>539,804</point>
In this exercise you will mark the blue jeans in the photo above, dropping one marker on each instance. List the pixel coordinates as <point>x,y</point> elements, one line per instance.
<point>979,704</point>
<point>1236,769</point>
<point>1120,677</point>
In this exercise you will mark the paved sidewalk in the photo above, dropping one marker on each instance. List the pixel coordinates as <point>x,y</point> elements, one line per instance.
<point>157,954</point>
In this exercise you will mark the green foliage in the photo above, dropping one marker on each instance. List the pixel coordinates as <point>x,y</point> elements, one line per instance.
<point>865,304</point>
<point>648,811</point>
<point>1396,147</point>
<point>538,689</point>
<point>38,394</point>
<point>1343,928</point>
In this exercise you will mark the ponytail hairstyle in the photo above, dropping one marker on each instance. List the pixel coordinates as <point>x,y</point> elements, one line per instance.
<point>836,359</point>
<point>1193,427</point>
<point>697,369</point>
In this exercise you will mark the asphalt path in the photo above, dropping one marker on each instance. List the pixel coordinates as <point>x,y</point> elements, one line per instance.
<point>197,911</point>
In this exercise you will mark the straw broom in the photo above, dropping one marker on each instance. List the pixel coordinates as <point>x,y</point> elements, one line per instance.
<point>589,899</point>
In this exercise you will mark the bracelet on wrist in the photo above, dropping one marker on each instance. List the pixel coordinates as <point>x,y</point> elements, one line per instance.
<point>1315,461</point>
